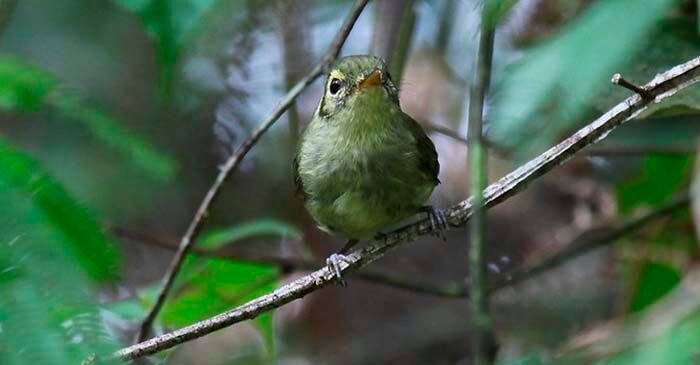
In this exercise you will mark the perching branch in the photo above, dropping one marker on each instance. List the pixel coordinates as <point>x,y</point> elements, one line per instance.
<point>661,87</point>
<point>232,163</point>
<point>587,241</point>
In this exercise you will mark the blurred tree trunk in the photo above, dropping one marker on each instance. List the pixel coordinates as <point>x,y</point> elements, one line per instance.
<point>447,18</point>
<point>294,23</point>
<point>394,21</point>
<point>6,9</point>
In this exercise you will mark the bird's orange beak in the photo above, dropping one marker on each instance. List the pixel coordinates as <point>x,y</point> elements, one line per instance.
<point>373,79</point>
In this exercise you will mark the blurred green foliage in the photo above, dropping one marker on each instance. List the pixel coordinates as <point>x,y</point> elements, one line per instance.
<point>26,88</point>
<point>209,286</point>
<point>84,238</point>
<point>170,23</point>
<point>51,253</point>
<point>658,179</point>
<point>549,90</point>
<point>671,41</point>
<point>215,238</point>
<point>22,87</point>
<point>678,345</point>
<point>656,134</point>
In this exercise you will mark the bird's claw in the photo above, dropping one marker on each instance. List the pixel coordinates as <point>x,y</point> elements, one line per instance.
<point>333,263</point>
<point>438,221</point>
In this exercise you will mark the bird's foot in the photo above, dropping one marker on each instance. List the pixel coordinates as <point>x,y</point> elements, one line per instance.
<point>333,263</point>
<point>438,221</point>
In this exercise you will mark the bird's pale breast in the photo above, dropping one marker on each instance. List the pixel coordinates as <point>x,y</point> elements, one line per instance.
<point>364,175</point>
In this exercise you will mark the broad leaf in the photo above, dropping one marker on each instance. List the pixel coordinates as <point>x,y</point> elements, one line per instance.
<point>659,178</point>
<point>170,23</point>
<point>50,249</point>
<point>84,238</point>
<point>555,82</point>
<point>265,227</point>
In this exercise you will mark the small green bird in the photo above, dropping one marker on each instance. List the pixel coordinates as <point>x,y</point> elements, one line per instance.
<point>363,164</point>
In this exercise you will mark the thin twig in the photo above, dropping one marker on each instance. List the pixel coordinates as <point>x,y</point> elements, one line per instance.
<point>617,79</point>
<point>577,249</point>
<point>662,86</point>
<point>193,229</point>
<point>432,127</point>
<point>481,322</point>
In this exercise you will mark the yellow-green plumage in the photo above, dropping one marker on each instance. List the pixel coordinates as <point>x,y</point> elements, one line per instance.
<point>363,164</point>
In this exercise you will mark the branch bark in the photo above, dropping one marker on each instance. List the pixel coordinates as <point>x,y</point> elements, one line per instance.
<point>586,242</point>
<point>232,163</point>
<point>661,87</point>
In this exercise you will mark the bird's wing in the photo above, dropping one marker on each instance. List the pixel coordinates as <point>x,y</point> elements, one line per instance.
<point>427,155</point>
<point>297,179</point>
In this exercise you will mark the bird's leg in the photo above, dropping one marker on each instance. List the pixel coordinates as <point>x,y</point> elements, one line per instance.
<point>438,220</point>
<point>348,245</point>
<point>333,261</point>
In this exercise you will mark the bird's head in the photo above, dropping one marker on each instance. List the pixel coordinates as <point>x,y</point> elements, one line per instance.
<point>357,80</point>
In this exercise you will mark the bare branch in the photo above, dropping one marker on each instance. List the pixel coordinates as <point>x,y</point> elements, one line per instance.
<point>617,79</point>
<point>432,127</point>
<point>232,162</point>
<point>588,244</point>
<point>661,87</point>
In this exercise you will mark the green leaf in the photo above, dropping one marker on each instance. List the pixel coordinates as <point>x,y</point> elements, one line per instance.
<point>680,131</point>
<point>679,345</point>
<point>655,281</point>
<point>50,247</point>
<point>494,11</point>
<point>672,42</point>
<point>22,88</point>
<point>215,286</point>
<point>26,88</point>
<point>84,238</point>
<point>549,91</point>
<point>265,227</point>
<point>659,178</point>
<point>170,23</point>
<point>207,286</point>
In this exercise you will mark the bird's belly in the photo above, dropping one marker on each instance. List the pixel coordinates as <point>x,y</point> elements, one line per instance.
<point>366,204</point>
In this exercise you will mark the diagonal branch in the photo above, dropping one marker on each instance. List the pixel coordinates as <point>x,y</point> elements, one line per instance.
<point>661,87</point>
<point>232,163</point>
<point>576,249</point>
<point>585,243</point>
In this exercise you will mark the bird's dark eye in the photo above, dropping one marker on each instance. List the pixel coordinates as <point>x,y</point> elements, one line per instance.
<point>335,86</point>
